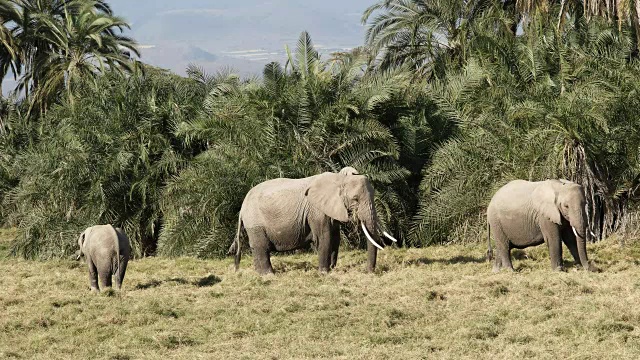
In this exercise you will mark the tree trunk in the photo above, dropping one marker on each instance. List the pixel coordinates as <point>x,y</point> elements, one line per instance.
<point>636,22</point>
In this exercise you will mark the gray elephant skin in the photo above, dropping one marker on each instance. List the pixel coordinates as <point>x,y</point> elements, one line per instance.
<point>524,213</point>
<point>287,214</point>
<point>106,250</point>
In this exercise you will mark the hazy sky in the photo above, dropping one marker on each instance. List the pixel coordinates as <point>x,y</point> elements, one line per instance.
<point>215,33</point>
<point>241,34</point>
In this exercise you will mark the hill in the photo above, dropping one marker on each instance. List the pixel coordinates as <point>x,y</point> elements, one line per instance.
<point>438,302</point>
<point>244,35</point>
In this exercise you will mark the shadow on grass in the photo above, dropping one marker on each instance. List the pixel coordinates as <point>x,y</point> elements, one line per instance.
<point>209,280</point>
<point>454,260</point>
<point>148,285</point>
<point>286,266</point>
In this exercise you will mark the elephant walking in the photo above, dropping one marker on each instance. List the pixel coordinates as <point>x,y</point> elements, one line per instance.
<point>524,213</point>
<point>287,214</point>
<point>106,250</point>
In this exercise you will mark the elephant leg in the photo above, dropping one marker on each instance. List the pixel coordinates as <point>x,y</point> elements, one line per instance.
<point>262,261</point>
<point>324,256</point>
<point>335,245</point>
<point>105,278</point>
<point>121,271</point>
<point>497,262</point>
<point>569,239</point>
<point>93,275</point>
<point>503,250</point>
<point>323,232</point>
<point>260,247</point>
<point>324,252</point>
<point>551,233</point>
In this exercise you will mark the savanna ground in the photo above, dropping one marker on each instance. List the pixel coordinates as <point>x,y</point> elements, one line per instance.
<point>438,302</point>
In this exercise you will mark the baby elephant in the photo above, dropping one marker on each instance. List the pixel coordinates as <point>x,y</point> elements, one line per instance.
<point>107,251</point>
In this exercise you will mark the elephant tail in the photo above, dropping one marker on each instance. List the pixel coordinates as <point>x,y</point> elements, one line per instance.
<point>236,242</point>
<point>489,250</point>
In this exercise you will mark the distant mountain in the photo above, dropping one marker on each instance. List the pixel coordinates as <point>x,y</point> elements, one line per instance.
<point>243,34</point>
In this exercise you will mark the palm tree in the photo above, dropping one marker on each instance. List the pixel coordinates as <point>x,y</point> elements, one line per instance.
<point>548,106</point>
<point>304,118</point>
<point>8,48</point>
<point>104,160</point>
<point>425,34</point>
<point>85,44</point>
<point>54,41</point>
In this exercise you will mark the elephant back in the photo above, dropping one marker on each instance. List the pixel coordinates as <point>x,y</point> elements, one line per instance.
<point>281,199</point>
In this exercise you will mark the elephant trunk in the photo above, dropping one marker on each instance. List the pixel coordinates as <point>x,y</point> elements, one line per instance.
<point>580,231</point>
<point>370,225</point>
<point>372,254</point>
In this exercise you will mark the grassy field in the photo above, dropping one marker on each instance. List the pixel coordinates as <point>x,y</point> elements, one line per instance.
<point>440,302</point>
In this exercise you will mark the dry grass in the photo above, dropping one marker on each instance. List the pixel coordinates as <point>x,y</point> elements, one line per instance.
<point>440,302</point>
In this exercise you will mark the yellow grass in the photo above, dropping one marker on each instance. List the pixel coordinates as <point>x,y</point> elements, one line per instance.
<point>439,302</point>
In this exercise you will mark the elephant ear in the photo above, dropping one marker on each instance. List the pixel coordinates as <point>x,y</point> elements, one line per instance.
<point>81,240</point>
<point>545,201</point>
<point>324,194</point>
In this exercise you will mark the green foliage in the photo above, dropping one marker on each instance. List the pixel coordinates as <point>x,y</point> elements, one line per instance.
<point>311,117</point>
<point>559,110</point>
<point>103,159</point>
<point>50,44</point>
<point>447,101</point>
<point>13,135</point>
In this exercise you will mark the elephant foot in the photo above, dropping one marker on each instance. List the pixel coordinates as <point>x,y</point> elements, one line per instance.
<point>265,273</point>
<point>559,268</point>
<point>94,290</point>
<point>592,268</point>
<point>508,269</point>
<point>262,262</point>
<point>498,268</point>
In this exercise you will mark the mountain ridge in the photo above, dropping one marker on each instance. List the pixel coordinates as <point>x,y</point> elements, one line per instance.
<point>170,31</point>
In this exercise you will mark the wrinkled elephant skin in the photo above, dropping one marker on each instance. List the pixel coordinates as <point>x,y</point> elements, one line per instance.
<point>524,213</point>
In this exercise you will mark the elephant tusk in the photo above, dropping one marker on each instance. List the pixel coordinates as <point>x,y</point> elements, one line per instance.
<point>389,236</point>
<point>366,233</point>
<point>592,234</point>
<point>575,232</point>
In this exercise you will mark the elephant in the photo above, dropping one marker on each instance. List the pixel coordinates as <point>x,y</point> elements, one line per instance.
<point>106,250</point>
<point>524,213</point>
<point>287,214</point>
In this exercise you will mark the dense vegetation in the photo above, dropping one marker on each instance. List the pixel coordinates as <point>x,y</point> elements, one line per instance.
<point>445,102</point>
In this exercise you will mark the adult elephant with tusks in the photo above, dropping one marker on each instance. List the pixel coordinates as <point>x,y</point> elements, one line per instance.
<point>524,213</point>
<point>286,214</point>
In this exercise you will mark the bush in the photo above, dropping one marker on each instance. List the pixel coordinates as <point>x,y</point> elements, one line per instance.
<point>101,159</point>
